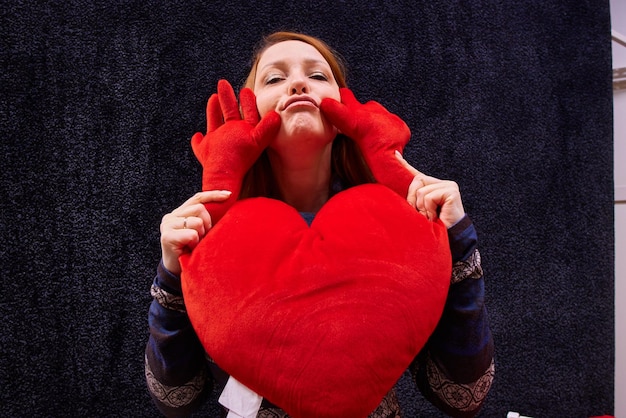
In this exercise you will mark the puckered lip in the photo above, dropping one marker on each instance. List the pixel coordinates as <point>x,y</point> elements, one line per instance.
<point>296,99</point>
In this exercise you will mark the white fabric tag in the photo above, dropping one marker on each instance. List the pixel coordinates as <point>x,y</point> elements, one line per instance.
<point>240,401</point>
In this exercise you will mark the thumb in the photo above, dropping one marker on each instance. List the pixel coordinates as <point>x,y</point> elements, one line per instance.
<point>348,98</point>
<point>196,140</point>
<point>339,115</point>
<point>267,128</point>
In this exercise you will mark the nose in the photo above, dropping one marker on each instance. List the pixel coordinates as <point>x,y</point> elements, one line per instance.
<point>298,86</point>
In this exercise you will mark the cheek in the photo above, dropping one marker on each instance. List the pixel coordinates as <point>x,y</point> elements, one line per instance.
<point>264,104</point>
<point>334,94</point>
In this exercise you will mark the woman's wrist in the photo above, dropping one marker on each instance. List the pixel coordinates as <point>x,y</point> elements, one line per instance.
<point>171,264</point>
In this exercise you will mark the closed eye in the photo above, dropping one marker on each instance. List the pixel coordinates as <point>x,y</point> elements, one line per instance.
<point>319,76</point>
<point>273,80</point>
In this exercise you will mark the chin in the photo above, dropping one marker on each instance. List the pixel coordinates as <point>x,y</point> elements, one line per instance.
<point>302,126</point>
<point>303,137</point>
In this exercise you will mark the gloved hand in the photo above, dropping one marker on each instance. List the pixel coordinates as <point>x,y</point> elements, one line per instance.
<point>232,144</point>
<point>377,132</point>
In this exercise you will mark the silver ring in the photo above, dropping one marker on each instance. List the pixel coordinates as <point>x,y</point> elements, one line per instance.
<point>185,223</point>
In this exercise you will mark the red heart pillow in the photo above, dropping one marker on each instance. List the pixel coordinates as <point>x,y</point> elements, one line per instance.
<point>322,320</point>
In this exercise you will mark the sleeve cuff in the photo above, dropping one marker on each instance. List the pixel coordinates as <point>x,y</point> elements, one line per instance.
<point>463,239</point>
<point>168,281</point>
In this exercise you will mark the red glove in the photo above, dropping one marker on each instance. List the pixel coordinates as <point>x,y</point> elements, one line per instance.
<point>377,132</point>
<point>231,144</point>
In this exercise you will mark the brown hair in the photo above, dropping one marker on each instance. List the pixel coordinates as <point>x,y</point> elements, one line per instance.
<point>348,168</point>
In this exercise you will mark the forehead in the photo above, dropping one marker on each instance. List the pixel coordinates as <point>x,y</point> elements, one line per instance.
<point>290,51</point>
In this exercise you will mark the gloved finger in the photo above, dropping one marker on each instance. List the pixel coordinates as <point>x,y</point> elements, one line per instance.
<point>340,115</point>
<point>196,140</point>
<point>248,106</point>
<point>228,101</point>
<point>267,128</point>
<point>374,106</point>
<point>347,97</point>
<point>214,118</point>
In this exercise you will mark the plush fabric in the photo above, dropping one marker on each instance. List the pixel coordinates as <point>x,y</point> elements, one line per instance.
<point>232,143</point>
<point>378,133</point>
<point>320,320</point>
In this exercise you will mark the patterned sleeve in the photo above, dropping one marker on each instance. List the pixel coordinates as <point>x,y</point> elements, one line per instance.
<point>455,369</point>
<point>175,363</point>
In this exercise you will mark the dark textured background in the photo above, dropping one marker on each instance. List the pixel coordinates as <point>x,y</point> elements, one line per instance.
<point>98,103</point>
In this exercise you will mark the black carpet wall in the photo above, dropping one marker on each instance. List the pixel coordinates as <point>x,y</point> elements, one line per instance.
<point>98,103</point>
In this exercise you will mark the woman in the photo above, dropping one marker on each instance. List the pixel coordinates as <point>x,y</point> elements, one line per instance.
<point>306,161</point>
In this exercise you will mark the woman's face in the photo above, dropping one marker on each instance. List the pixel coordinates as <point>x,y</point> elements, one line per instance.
<point>292,78</point>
